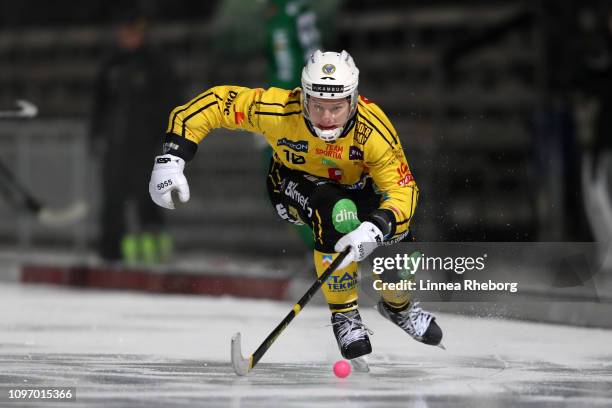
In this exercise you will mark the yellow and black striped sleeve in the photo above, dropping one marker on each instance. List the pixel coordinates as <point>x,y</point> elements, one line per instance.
<point>230,107</point>
<point>389,169</point>
<point>221,106</point>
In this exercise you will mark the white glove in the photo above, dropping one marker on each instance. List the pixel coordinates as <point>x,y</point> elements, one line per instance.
<point>167,176</point>
<point>363,240</point>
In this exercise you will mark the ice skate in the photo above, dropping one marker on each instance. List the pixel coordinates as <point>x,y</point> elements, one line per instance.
<point>415,321</point>
<point>351,334</point>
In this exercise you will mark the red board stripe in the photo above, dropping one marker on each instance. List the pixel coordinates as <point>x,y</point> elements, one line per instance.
<point>143,280</point>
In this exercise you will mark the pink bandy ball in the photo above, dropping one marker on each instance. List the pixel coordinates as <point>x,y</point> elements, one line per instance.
<point>342,368</point>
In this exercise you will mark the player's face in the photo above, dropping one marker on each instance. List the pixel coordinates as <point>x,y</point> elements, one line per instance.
<point>328,114</point>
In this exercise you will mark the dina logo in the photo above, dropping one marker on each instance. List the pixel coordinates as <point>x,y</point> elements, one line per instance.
<point>328,69</point>
<point>344,216</point>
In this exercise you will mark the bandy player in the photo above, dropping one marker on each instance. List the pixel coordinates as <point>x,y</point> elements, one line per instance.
<point>338,166</point>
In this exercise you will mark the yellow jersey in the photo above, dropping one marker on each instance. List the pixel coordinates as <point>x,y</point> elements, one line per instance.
<point>369,146</point>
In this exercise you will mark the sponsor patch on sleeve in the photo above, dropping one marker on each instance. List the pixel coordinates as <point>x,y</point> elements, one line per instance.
<point>238,117</point>
<point>405,176</point>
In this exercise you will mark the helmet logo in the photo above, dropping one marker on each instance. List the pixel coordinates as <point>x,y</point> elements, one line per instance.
<point>329,69</point>
<point>327,88</point>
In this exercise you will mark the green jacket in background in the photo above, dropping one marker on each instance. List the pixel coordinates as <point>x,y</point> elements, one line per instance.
<point>291,36</point>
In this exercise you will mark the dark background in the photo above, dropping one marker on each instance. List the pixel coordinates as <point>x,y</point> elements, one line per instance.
<point>498,105</point>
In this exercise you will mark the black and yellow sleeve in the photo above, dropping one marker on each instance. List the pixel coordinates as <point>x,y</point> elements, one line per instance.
<point>389,169</point>
<point>230,107</point>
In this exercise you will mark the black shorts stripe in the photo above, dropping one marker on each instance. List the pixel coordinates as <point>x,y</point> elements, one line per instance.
<point>187,107</point>
<point>413,200</point>
<point>382,123</point>
<point>378,130</point>
<point>274,183</point>
<point>277,113</point>
<point>195,113</point>
<point>317,227</point>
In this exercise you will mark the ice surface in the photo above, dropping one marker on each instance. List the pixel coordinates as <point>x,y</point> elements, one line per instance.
<point>131,349</point>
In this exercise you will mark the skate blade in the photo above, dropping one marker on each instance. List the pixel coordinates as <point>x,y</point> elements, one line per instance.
<point>360,365</point>
<point>441,346</point>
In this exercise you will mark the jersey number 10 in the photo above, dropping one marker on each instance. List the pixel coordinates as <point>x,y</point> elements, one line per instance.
<point>294,158</point>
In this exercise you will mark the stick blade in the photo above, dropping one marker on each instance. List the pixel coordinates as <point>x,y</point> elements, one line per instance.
<point>242,366</point>
<point>28,109</point>
<point>63,217</point>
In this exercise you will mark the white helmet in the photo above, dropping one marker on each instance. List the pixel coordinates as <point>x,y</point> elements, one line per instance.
<point>330,75</point>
